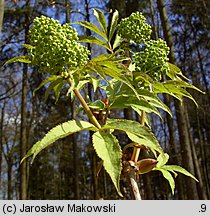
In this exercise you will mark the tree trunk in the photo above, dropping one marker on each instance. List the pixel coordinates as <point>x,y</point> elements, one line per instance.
<point>1,14</point>
<point>23,132</point>
<point>180,111</point>
<point>1,140</point>
<point>75,158</point>
<point>170,123</point>
<point>9,177</point>
<point>200,187</point>
<point>73,136</point>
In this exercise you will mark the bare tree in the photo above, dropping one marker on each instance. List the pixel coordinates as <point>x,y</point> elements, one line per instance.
<point>1,14</point>
<point>23,134</point>
<point>182,121</point>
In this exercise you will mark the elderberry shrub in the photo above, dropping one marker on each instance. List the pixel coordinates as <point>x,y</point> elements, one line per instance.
<point>153,59</point>
<point>134,28</point>
<point>55,48</point>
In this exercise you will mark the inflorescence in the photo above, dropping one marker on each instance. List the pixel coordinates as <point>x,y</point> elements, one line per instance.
<point>55,47</point>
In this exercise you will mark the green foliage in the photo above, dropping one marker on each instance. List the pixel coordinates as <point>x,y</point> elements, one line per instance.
<point>94,40</point>
<point>60,131</point>
<point>113,25</point>
<point>134,28</point>
<point>101,19</point>
<point>93,28</point>
<point>56,84</point>
<point>108,149</point>
<point>166,169</point>
<point>162,159</point>
<point>23,59</point>
<point>135,131</point>
<point>148,101</point>
<point>98,105</point>
<point>176,88</point>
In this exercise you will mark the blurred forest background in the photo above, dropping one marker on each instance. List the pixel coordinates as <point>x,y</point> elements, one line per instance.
<point>67,169</point>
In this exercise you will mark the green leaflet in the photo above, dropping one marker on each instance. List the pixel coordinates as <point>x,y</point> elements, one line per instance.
<point>153,99</point>
<point>167,175</point>
<point>174,71</point>
<point>93,28</point>
<point>27,46</point>
<point>94,40</point>
<point>52,86</point>
<point>102,57</point>
<point>113,88</point>
<point>175,88</point>
<point>98,104</point>
<point>161,105</point>
<point>138,139</point>
<point>179,92</point>
<point>23,59</point>
<point>181,83</point>
<point>108,149</point>
<point>178,169</point>
<point>134,130</point>
<point>109,65</point>
<point>135,104</point>
<point>141,104</point>
<point>113,66</point>
<point>162,159</point>
<point>58,132</point>
<point>147,98</point>
<point>118,40</point>
<point>95,82</point>
<point>101,19</point>
<point>160,88</point>
<point>113,25</point>
<point>58,88</point>
<point>56,84</point>
<point>49,79</point>
<point>166,169</point>
<point>111,59</point>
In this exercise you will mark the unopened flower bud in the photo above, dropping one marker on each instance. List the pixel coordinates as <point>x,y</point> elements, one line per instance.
<point>146,165</point>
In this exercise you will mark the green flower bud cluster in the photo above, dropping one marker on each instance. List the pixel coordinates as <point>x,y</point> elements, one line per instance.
<point>134,28</point>
<point>55,46</point>
<point>153,59</point>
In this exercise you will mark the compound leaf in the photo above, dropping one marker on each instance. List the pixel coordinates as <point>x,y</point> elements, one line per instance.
<point>60,131</point>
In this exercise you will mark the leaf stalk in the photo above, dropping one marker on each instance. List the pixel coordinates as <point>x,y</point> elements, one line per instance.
<point>136,150</point>
<point>87,109</point>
